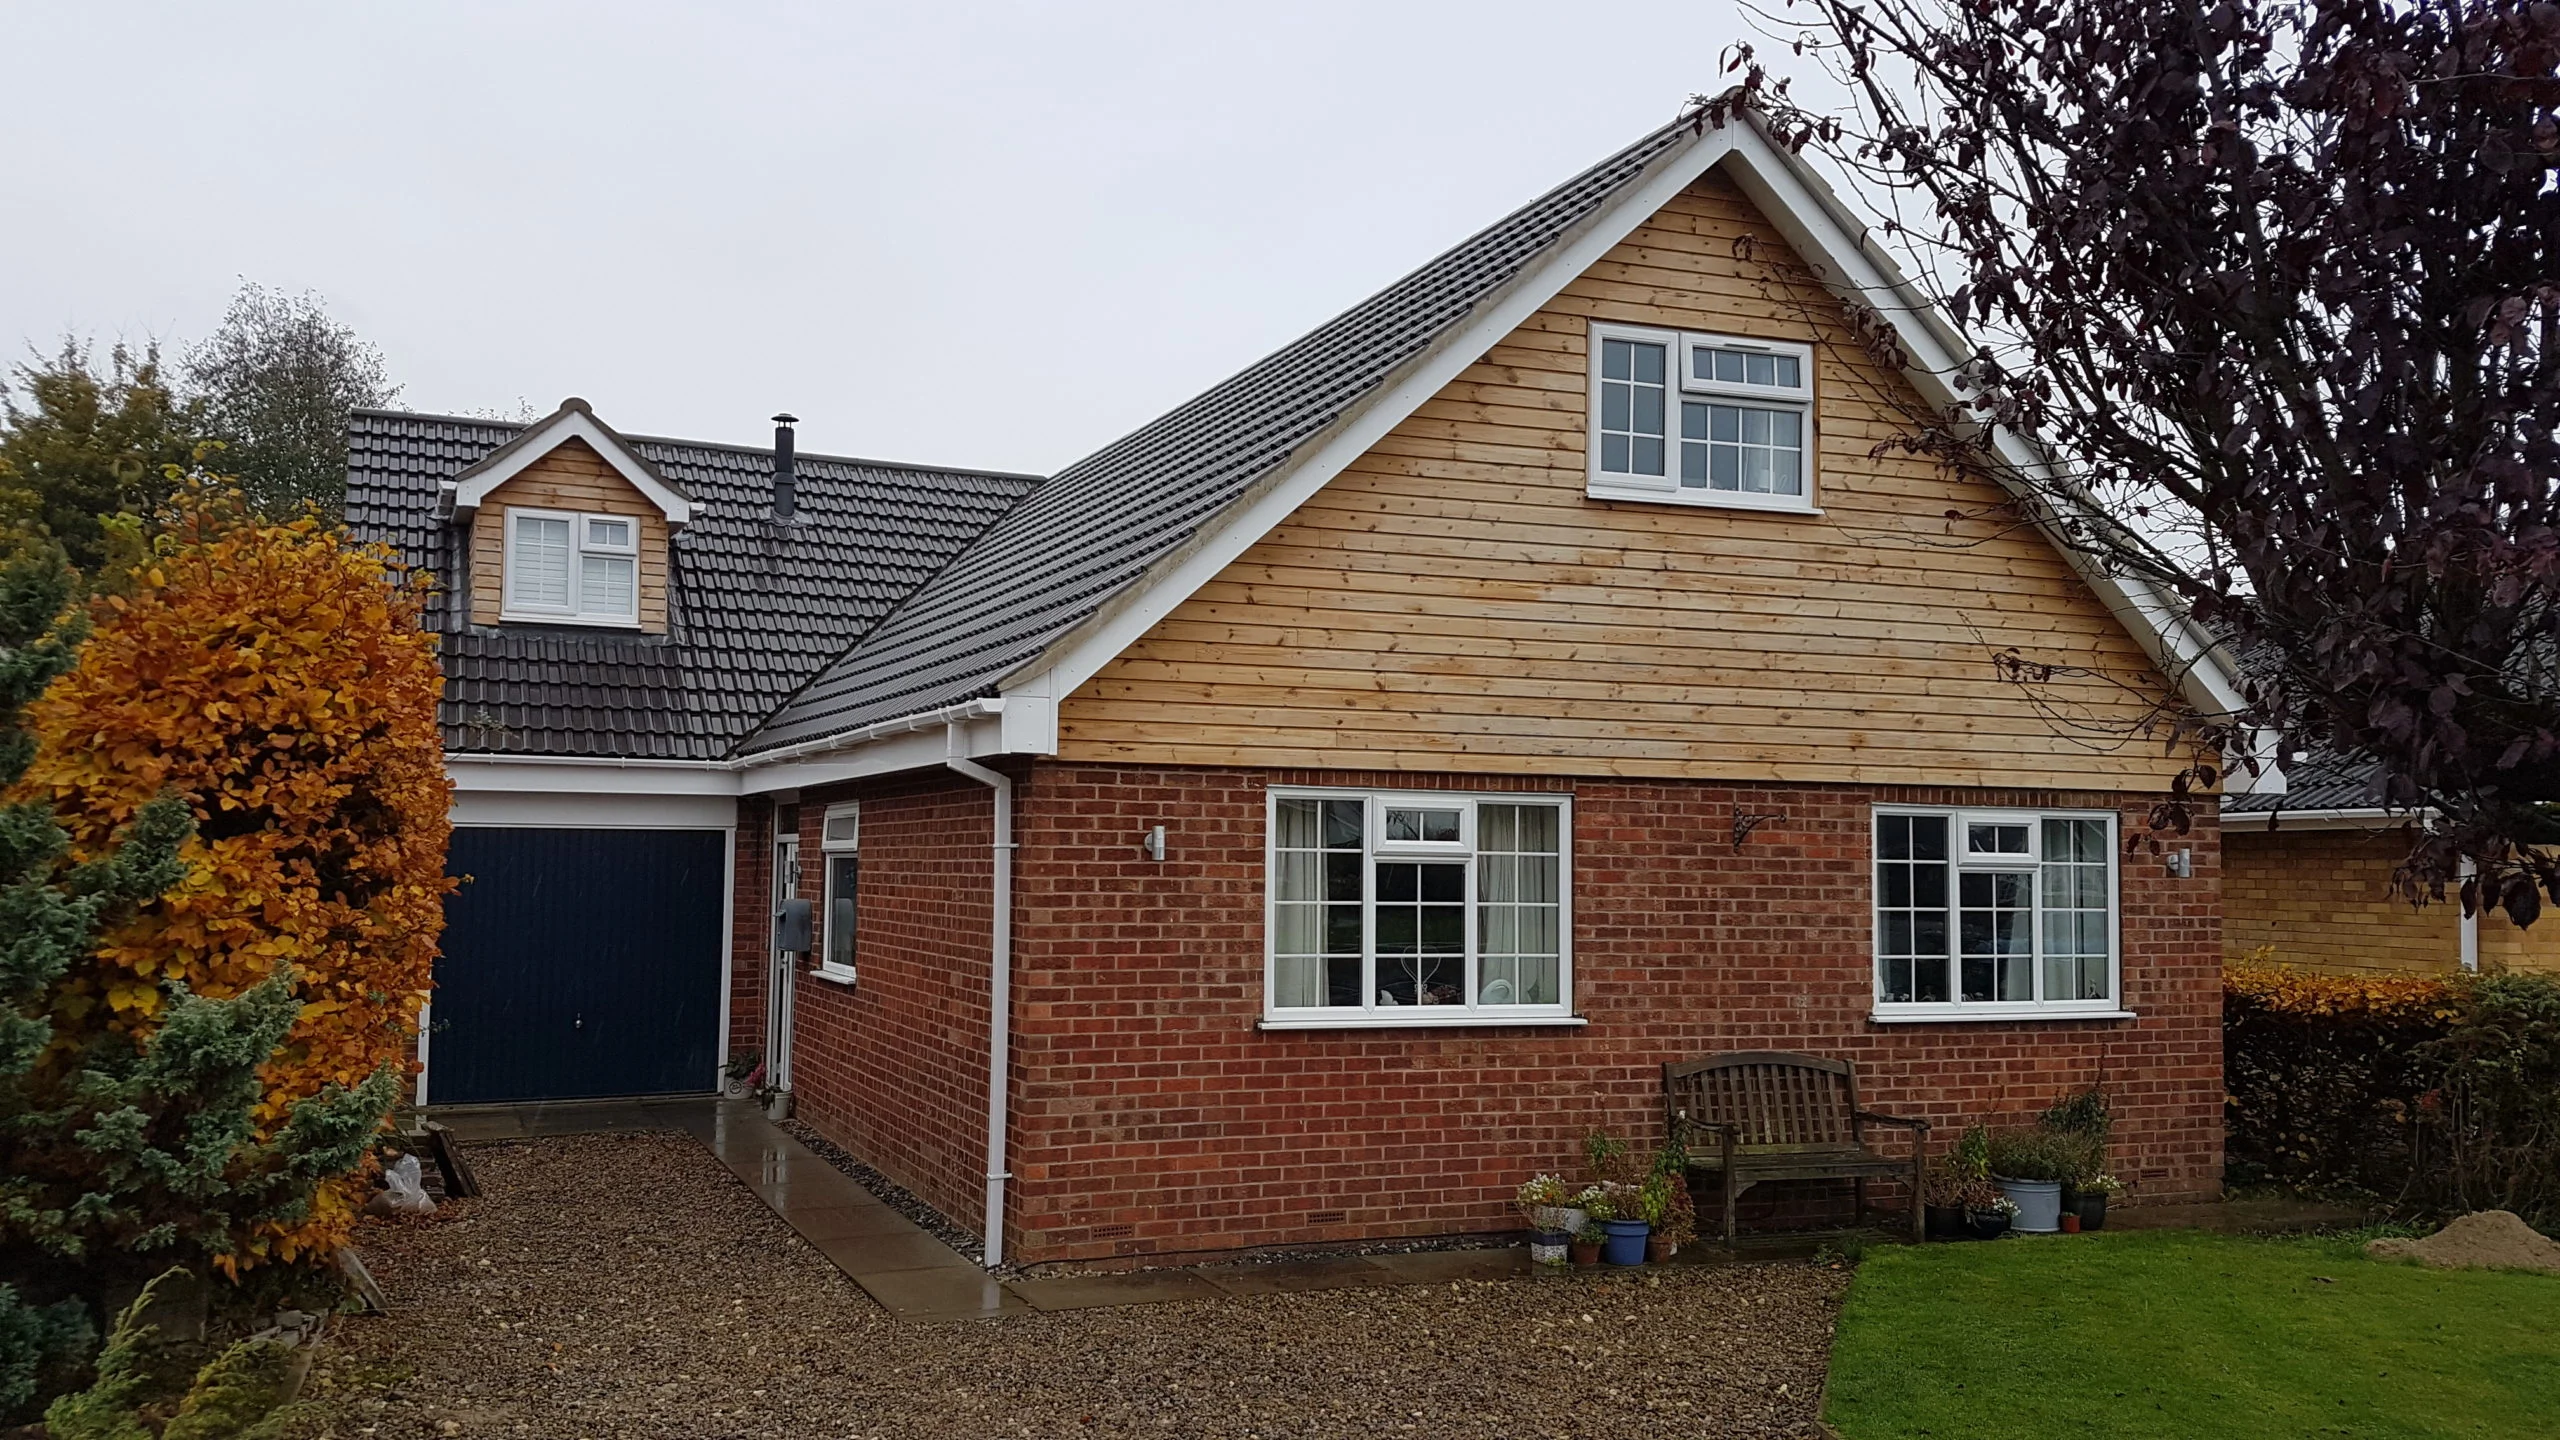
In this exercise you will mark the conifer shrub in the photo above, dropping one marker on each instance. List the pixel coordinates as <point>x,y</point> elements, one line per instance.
<point>217,1063</point>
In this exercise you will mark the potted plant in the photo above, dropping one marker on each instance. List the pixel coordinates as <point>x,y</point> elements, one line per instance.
<point>1543,1202</point>
<point>1988,1212</point>
<point>1673,1215</point>
<point>2090,1199</point>
<point>1942,1204</point>
<point>2030,1167</point>
<point>1584,1247</point>
<point>1961,1176</point>
<point>1613,1207</point>
<point>734,1076</point>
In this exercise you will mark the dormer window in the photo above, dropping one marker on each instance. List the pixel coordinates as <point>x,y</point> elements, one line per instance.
<point>572,569</point>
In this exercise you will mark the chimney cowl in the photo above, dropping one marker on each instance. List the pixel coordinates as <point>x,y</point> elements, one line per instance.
<point>786,478</point>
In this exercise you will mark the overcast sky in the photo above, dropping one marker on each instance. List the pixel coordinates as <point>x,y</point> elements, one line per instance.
<point>970,234</point>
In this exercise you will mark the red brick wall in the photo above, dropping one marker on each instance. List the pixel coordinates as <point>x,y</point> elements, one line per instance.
<point>750,926</point>
<point>1154,1118</point>
<point>895,1068</point>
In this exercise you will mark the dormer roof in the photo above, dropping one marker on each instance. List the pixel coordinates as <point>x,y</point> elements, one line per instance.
<point>574,420</point>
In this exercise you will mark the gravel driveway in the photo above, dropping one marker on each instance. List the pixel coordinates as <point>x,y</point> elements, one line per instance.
<point>629,1286</point>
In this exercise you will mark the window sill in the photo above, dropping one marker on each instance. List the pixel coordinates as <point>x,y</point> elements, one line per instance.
<point>831,975</point>
<point>1983,1014</point>
<point>588,622</point>
<point>1475,1018</point>
<point>1703,499</point>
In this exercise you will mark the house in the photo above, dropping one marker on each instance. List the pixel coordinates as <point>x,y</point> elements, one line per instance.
<point>2306,881</point>
<point>1309,814</point>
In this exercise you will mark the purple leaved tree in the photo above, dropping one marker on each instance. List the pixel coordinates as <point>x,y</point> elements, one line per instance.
<point>2277,286</point>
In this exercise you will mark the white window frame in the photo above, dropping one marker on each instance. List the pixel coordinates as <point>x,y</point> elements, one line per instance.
<point>515,607</point>
<point>2110,1007</point>
<point>829,847</point>
<point>1666,488</point>
<point>1371,1015</point>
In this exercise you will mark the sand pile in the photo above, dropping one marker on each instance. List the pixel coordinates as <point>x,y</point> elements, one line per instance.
<point>2492,1239</point>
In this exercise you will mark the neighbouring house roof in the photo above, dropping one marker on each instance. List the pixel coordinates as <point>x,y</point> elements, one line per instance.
<point>754,609</point>
<point>1104,521</point>
<point>2317,779</point>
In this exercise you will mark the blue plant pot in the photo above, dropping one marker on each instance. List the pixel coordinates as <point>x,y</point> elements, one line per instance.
<point>1625,1245</point>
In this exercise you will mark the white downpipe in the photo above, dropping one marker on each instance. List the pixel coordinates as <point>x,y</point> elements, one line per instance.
<point>1000,982</point>
<point>2470,923</point>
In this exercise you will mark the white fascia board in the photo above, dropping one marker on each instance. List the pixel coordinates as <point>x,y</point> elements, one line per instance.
<point>2363,817</point>
<point>918,749</point>
<point>474,485</point>
<point>514,809</point>
<point>1075,657</point>
<point>542,774</point>
<point>1801,205</point>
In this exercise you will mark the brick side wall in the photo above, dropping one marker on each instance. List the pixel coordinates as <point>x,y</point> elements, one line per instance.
<point>1154,1118</point>
<point>750,926</point>
<point>895,1068</point>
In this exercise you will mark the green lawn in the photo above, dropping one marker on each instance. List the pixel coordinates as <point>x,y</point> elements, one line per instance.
<point>2179,1335</point>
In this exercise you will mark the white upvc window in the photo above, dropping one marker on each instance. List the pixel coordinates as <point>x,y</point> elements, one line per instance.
<point>1995,914</point>
<point>1698,419</point>
<point>840,856</point>
<point>572,569</point>
<point>1395,909</point>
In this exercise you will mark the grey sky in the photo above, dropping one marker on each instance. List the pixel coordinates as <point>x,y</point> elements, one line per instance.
<point>986,234</point>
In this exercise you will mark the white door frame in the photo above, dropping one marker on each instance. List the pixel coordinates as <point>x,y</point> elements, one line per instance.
<point>781,968</point>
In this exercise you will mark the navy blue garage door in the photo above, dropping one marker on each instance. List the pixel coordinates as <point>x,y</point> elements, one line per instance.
<point>578,963</point>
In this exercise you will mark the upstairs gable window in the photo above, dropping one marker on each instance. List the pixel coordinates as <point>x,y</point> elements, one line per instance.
<point>1701,419</point>
<point>572,569</point>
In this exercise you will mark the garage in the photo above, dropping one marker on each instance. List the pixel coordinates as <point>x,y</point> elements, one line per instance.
<point>579,963</point>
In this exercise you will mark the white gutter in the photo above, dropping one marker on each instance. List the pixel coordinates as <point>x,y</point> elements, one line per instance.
<point>2307,819</point>
<point>900,725</point>
<point>1000,978</point>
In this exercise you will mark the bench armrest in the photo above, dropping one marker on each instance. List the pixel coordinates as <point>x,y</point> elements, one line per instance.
<point>1875,1117</point>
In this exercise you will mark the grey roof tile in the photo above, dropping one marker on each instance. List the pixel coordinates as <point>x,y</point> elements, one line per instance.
<point>753,613</point>
<point>1096,527</point>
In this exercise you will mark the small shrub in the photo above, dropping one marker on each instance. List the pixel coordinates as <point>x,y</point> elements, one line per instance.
<point>2037,1154</point>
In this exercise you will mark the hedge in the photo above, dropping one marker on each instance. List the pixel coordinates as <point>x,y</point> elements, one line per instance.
<point>2435,1094</point>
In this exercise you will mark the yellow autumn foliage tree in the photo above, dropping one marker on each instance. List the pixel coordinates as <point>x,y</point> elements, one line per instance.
<point>274,675</point>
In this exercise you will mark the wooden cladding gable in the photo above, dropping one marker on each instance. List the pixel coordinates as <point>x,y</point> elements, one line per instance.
<point>572,477</point>
<point>1454,600</point>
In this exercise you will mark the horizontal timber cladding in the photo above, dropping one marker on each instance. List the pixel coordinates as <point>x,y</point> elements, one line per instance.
<point>573,477</point>
<point>2323,899</point>
<point>1454,600</point>
<point>1152,1116</point>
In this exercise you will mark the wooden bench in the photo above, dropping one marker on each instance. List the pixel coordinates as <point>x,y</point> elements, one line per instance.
<point>1770,1115</point>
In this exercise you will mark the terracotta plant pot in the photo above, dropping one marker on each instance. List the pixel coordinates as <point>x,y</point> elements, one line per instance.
<point>2070,1222</point>
<point>1584,1254</point>
<point>1658,1251</point>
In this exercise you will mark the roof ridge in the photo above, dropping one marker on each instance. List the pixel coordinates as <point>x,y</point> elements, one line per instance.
<point>683,443</point>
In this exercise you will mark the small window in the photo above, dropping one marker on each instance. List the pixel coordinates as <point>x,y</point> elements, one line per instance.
<point>1407,910</point>
<point>572,569</point>
<point>2018,921</point>
<point>839,836</point>
<point>1742,417</point>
